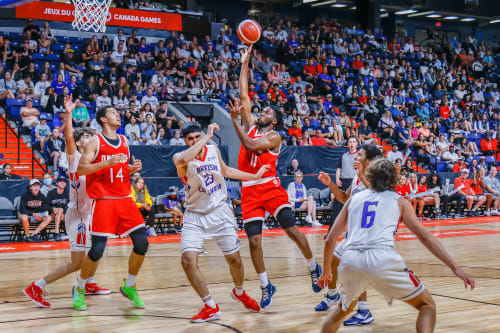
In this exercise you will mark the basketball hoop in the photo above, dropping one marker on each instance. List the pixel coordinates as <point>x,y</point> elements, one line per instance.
<point>91,14</point>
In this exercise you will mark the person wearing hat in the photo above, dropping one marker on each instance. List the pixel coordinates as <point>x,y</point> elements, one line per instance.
<point>57,200</point>
<point>460,165</point>
<point>34,208</point>
<point>467,192</point>
<point>29,114</point>
<point>42,132</point>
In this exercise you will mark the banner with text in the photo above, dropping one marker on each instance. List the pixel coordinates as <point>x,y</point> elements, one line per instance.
<point>52,11</point>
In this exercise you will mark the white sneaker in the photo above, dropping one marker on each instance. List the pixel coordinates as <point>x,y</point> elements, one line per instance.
<point>488,213</point>
<point>495,212</point>
<point>308,219</point>
<point>152,232</point>
<point>264,226</point>
<point>316,224</point>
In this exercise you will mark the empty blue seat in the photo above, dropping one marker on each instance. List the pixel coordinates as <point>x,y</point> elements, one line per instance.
<point>53,57</point>
<point>38,56</point>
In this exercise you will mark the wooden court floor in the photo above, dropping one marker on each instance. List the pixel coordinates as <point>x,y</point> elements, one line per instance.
<point>170,301</point>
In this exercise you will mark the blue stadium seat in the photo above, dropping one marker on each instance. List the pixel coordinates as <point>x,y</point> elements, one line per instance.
<point>53,57</point>
<point>38,56</point>
<point>57,47</point>
<point>14,102</point>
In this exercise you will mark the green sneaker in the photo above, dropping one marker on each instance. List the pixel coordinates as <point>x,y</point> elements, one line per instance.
<point>131,294</point>
<point>79,299</point>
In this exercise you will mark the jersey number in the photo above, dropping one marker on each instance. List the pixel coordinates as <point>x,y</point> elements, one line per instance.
<point>209,179</point>
<point>118,175</point>
<point>368,216</point>
<point>253,160</point>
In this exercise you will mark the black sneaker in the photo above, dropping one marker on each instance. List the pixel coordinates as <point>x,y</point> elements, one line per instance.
<point>35,239</point>
<point>57,237</point>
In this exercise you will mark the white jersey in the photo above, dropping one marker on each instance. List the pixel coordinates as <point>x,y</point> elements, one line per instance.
<point>205,185</point>
<point>78,197</point>
<point>357,186</point>
<point>372,219</point>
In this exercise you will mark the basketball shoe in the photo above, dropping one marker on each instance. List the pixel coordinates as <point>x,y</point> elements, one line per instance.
<point>131,294</point>
<point>94,289</point>
<point>247,301</point>
<point>207,314</point>
<point>267,295</point>
<point>35,294</point>
<point>328,302</point>
<point>362,317</point>
<point>315,277</point>
<point>79,299</point>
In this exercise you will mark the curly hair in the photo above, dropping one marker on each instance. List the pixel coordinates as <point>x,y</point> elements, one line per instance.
<point>382,175</point>
<point>80,132</point>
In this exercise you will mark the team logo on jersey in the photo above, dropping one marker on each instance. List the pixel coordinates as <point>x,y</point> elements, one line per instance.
<point>75,180</point>
<point>276,181</point>
<point>81,236</point>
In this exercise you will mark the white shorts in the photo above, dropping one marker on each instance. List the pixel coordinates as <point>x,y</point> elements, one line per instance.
<point>339,249</point>
<point>220,224</point>
<point>77,229</point>
<point>383,268</point>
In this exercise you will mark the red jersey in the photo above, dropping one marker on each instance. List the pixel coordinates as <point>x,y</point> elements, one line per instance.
<point>251,161</point>
<point>403,190</point>
<point>114,181</point>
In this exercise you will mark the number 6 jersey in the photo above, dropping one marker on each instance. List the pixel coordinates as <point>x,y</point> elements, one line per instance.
<point>205,185</point>
<point>372,219</point>
<point>111,182</point>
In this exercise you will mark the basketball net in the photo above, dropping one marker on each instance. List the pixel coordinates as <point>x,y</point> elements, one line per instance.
<point>91,14</point>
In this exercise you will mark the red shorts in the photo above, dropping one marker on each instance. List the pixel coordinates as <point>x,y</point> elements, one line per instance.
<point>115,217</point>
<point>257,199</point>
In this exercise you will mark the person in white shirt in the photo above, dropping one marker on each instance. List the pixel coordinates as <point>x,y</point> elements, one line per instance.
<point>176,140</point>
<point>25,88</point>
<point>132,127</point>
<point>95,127</point>
<point>41,85</point>
<point>280,34</point>
<point>103,100</point>
<point>268,33</point>
<point>152,100</point>
<point>158,80</point>
<point>118,38</point>
<point>394,154</point>
<point>153,140</point>
<point>117,56</point>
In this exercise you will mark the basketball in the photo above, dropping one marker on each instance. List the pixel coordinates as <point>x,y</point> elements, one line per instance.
<point>249,31</point>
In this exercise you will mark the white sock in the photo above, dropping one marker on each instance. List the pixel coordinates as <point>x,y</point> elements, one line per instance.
<point>312,263</point>
<point>331,292</point>
<point>80,283</point>
<point>41,283</point>
<point>263,279</point>
<point>473,209</point>
<point>208,300</point>
<point>238,290</point>
<point>131,280</point>
<point>90,280</point>
<point>362,305</point>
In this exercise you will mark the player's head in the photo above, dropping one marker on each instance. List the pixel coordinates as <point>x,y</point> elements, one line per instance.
<point>270,117</point>
<point>352,143</point>
<point>368,153</point>
<point>382,175</point>
<point>82,136</point>
<point>108,115</point>
<point>191,133</point>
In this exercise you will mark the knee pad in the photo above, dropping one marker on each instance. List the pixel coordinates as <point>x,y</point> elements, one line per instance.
<point>140,241</point>
<point>286,218</point>
<point>98,246</point>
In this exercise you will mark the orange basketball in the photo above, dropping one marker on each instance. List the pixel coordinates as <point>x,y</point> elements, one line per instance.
<point>249,31</point>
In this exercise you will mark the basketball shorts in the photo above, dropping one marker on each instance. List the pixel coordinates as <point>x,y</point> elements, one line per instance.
<point>220,225</point>
<point>115,217</point>
<point>339,249</point>
<point>77,229</point>
<point>382,268</point>
<point>257,199</point>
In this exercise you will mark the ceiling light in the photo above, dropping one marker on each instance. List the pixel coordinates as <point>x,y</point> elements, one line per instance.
<point>468,19</point>
<point>339,5</point>
<point>323,3</point>
<point>434,16</point>
<point>450,17</point>
<point>354,7</point>
<point>495,20</point>
<point>384,15</point>
<point>308,1</point>
<point>383,9</point>
<point>406,11</point>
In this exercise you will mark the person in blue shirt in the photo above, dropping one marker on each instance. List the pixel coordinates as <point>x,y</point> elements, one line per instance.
<point>58,84</point>
<point>328,103</point>
<point>324,81</point>
<point>423,111</point>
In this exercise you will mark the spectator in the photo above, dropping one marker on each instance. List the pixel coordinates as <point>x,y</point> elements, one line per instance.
<point>176,140</point>
<point>42,132</point>
<point>132,127</point>
<point>431,199</point>
<point>55,146</point>
<point>297,194</point>
<point>58,199</point>
<point>487,145</point>
<point>491,185</point>
<point>143,200</point>
<point>346,170</point>
<point>80,116</point>
<point>294,130</point>
<point>293,168</point>
<point>34,208</point>
<point>394,154</point>
<point>450,157</point>
<point>234,195</point>
<point>6,173</point>
<point>468,193</point>
<point>318,139</point>
<point>8,86</point>
<point>460,166</point>
<point>365,132</point>
<point>47,184</point>
<point>103,100</point>
<point>147,128</point>
<point>172,205</point>
<point>402,187</point>
<point>29,114</point>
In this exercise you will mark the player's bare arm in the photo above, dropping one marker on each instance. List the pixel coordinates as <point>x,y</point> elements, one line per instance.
<point>69,106</point>
<point>233,173</point>
<point>267,142</point>
<point>338,227</point>
<point>86,166</point>
<point>430,242</point>
<point>136,166</point>
<point>340,195</point>
<point>246,113</point>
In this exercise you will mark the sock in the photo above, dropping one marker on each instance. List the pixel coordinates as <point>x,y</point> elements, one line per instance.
<point>312,263</point>
<point>208,300</point>
<point>263,279</point>
<point>80,283</point>
<point>238,290</point>
<point>331,292</point>
<point>90,280</point>
<point>362,305</point>
<point>131,280</point>
<point>41,283</point>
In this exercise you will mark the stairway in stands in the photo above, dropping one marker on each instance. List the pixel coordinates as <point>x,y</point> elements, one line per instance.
<point>18,152</point>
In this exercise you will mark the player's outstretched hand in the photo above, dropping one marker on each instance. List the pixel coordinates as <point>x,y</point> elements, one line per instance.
<point>464,276</point>
<point>324,178</point>
<point>118,158</point>
<point>234,108</point>
<point>262,171</point>
<point>211,128</point>
<point>245,56</point>
<point>69,105</point>
<point>324,280</point>
<point>137,164</point>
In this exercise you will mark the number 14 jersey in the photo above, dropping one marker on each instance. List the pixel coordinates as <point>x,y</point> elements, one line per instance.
<point>372,219</point>
<point>111,182</point>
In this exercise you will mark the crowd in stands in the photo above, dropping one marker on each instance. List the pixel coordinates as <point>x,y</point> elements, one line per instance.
<point>436,100</point>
